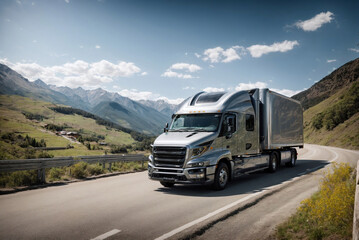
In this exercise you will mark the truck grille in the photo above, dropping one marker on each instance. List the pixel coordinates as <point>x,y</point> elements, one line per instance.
<point>169,156</point>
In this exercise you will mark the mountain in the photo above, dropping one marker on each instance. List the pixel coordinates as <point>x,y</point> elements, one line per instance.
<point>12,83</point>
<point>331,115</point>
<point>329,85</point>
<point>122,110</point>
<point>128,113</point>
<point>161,106</point>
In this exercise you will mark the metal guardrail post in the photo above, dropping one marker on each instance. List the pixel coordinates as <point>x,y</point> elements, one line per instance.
<point>356,207</point>
<point>41,176</point>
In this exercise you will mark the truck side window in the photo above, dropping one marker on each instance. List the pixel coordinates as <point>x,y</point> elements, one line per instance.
<point>249,122</point>
<point>229,121</point>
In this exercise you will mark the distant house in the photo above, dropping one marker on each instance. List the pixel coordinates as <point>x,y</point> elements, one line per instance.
<point>103,143</point>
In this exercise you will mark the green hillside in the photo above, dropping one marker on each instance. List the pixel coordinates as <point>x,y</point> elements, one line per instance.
<point>21,116</point>
<point>335,121</point>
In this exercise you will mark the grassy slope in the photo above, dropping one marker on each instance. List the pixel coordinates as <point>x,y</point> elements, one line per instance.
<point>345,135</point>
<point>12,120</point>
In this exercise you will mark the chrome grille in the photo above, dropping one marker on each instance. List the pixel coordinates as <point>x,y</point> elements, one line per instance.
<point>173,157</point>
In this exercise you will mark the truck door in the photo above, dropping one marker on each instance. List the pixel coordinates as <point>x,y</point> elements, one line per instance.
<point>230,132</point>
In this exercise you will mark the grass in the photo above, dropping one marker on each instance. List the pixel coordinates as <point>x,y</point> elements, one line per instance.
<point>345,135</point>
<point>12,119</point>
<point>328,214</point>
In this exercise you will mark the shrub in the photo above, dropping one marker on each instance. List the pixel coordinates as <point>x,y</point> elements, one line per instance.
<point>329,212</point>
<point>19,178</point>
<point>78,170</point>
<point>55,174</point>
<point>94,169</point>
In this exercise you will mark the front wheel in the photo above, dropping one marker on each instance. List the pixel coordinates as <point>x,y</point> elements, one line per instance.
<point>167,184</point>
<point>221,177</point>
<point>273,162</point>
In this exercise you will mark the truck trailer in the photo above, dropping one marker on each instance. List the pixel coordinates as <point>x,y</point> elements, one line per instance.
<point>217,136</point>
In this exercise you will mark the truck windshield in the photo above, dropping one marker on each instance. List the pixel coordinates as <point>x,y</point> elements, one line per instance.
<point>195,123</point>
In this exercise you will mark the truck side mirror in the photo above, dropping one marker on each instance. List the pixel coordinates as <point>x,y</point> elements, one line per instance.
<point>166,128</point>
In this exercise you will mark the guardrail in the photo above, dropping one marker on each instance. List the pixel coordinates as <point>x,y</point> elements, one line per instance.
<point>356,207</point>
<point>41,164</point>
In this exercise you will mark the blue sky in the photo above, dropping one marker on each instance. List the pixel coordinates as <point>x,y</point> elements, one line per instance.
<point>173,49</point>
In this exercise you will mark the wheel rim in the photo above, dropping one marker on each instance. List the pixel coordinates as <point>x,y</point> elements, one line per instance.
<point>223,176</point>
<point>293,159</point>
<point>274,163</point>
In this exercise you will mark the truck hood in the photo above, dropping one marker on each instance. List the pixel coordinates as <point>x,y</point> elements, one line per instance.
<point>183,138</point>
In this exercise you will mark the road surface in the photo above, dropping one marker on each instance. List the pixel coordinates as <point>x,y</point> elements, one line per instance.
<point>130,206</point>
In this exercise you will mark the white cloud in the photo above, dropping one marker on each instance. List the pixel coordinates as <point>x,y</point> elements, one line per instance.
<point>213,89</point>
<point>315,22</point>
<point>197,55</point>
<point>75,74</point>
<point>218,54</point>
<point>287,92</point>
<point>186,66</point>
<point>67,1</point>
<point>248,86</point>
<point>172,74</point>
<point>258,50</point>
<point>144,73</point>
<point>188,88</point>
<point>354,50</point>
<point>97,46</point>
<point>331,60</point>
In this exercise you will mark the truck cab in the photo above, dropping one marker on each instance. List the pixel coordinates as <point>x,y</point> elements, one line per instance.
<point>214,137</point>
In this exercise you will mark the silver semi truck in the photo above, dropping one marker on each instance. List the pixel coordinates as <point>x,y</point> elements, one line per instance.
<point>215,137</point>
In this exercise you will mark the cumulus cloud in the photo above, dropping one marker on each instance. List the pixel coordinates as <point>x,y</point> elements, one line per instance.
<point>248,86</point>
<point>172,74</point>
<point>331,60</point>
<point>354,50</point>
<point>213,89</point>
<point>315,22</point>
<point>218,54</point>
<point>75,74</point>
<point>257,51</point>
<point>184,68</point>
<point>97,46</point>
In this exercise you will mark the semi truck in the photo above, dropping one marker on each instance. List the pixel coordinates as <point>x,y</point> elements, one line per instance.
<point>215,137</point>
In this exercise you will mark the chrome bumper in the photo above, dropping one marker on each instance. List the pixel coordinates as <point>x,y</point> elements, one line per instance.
<point>200,175</point>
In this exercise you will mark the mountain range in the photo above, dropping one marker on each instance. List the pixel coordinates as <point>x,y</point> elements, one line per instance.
<point>148,117</point>
<point>331,105</point>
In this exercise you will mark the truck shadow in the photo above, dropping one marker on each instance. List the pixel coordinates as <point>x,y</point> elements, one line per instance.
<point>249,183</point>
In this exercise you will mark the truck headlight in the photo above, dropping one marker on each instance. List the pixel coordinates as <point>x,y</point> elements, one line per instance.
<point>202,148</point>
<point>199,151</point>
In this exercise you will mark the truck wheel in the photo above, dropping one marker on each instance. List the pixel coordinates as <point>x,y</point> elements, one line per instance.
<point>293,158</point>
<point>221,177</point>
<point>273,162</point>
<point>167,184</point>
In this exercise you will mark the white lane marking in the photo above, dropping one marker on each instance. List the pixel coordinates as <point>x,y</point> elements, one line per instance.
<point>107,235</point>
<point>335,153</point>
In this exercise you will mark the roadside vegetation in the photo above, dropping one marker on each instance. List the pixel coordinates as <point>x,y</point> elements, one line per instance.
<point>335,121</point>
<point>79,170</point>
<point>328,214</point>
<point>27,125</point>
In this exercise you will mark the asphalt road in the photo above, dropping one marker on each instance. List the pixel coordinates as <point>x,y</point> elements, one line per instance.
<point>132,207</point>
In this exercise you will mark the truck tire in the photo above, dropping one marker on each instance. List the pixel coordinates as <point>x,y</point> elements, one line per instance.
<point>293,158</point>
<point>273,162</point>
<point>221,177</point>
<point>167,184</point>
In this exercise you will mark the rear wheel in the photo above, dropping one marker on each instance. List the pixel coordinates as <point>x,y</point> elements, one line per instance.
<point>167,184</point>
<point>273,162</point>
<point>221,177</point>
<point>293,158</point>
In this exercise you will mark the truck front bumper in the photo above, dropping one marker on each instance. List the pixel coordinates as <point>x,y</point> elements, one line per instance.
<point>198,175</point>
